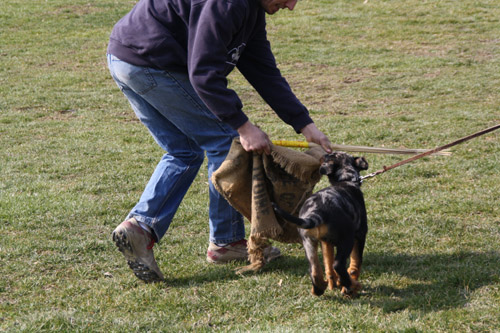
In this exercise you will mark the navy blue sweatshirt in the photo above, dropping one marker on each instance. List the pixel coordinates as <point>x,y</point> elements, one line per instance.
<point>208,38</point>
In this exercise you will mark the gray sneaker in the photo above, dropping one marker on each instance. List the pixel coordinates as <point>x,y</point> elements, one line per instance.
<point>136,244</point>
<point>236,251</point>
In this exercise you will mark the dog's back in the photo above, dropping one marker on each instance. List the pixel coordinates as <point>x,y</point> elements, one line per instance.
<point>330,203</point>
<point>340,207</point>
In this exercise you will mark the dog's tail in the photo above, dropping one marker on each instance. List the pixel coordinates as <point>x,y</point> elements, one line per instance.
<point>309,223</point>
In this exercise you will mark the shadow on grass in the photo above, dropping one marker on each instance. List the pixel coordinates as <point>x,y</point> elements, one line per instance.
<point>426,282</point>
<point>210,273</point>
<point>395,282</point>
<point>392,282</point>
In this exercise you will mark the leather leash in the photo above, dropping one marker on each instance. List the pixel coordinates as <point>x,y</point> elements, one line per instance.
<point>432,151</point>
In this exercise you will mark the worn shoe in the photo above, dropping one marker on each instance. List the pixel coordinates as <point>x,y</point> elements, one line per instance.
<point>136,244</point>
<point>236,251</point>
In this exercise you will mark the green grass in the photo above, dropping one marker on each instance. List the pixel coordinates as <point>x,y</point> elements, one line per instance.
<point>74,160</point>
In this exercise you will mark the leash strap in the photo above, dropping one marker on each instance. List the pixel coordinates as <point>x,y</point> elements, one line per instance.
<point>432,151</point>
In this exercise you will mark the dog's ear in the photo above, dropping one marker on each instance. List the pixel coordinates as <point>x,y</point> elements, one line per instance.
<point>360,163</point>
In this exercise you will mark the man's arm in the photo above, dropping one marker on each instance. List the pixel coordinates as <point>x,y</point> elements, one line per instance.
<point>212,27</point>
<point>258,65</point>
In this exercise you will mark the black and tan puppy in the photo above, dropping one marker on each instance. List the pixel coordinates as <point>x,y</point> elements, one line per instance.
<point>336,217</point>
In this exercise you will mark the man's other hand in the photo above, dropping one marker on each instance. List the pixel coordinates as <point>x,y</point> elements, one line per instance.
<point>313,134</point>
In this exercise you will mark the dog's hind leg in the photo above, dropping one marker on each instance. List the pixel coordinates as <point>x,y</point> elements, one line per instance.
<point>349,286</point>
<point>356,259</point>
<point>315,269</point>
<point>328,258</point>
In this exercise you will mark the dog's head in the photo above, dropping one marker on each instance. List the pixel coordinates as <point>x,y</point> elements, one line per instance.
<point>341,167</point>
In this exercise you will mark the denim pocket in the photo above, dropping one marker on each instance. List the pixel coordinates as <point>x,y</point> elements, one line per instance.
<point>139,79</point>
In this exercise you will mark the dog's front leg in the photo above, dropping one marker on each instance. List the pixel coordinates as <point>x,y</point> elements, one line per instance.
<point>315,270</point>
<point>328,258</point>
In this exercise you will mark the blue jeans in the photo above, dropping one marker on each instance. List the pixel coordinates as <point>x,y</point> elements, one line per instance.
<point>166,103</point>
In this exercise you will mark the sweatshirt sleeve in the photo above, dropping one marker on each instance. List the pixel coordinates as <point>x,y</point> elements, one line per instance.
<point>209,36</point>
<point>258,66</point>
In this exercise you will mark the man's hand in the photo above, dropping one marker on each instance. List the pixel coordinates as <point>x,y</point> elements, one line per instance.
<point>254,139</point>
<point>313,134</point>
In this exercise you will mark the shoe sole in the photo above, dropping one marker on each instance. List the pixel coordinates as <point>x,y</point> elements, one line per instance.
<point>219,262</point>
<point>142,271</point>
<point>267,258</point>
<point>225,261</point>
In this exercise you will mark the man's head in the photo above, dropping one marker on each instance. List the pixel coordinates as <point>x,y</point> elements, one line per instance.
<point>272,6</point>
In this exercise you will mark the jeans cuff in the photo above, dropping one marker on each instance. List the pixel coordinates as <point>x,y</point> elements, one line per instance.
<point>147,221</point>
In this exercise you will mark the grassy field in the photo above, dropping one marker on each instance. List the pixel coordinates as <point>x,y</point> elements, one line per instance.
<point>74,160</point>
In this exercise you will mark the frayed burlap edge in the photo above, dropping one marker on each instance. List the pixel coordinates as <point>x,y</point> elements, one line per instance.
<point>251,181</point>
<point>303,165</point>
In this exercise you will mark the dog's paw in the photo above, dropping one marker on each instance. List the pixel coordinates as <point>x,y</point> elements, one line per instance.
<point>356,286</point>
<point>349,293</point>
<point>317,291</point>
<point>354,273</point>
<point>352,291</point>
<point>333,282</point>
<point>319,287</point>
